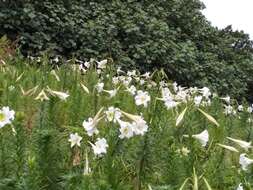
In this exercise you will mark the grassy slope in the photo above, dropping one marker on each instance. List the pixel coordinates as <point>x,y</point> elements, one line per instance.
<point>39,155</point>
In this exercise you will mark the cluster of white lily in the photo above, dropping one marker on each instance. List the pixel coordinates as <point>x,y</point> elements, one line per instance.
<point>200,97</point>
<point>171,94</point>
<point>129,125</point>
<point>141,97</point>
<point>244,161</point>
<point>233,110</point>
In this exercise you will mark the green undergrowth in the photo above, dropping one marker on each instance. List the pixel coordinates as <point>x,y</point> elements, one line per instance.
<point>35,152</point>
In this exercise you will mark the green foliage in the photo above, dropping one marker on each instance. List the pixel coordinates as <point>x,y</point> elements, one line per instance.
<point>171,34</point>
<point>35,152</point>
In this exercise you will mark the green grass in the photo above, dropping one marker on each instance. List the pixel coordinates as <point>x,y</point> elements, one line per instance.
<point>35,152</point>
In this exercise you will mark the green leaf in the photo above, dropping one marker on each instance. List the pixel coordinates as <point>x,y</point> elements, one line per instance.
<point>207,184</point>
<point>195,180</point>
<point>184,183</point>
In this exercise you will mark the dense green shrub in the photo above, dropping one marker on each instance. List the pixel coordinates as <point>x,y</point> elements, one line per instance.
<point>146,34</point>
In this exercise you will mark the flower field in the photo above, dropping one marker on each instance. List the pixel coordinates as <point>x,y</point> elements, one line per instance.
<point>92,126</point>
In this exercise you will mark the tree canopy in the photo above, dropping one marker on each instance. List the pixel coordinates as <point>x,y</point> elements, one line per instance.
<point>143,34</point>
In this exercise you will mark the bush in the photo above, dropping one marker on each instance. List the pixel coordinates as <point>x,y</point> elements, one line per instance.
<point>144,34</point>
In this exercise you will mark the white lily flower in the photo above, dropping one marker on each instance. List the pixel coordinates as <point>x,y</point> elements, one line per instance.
<point>100,87</point>
<point>11,88</point>
<point>140,126</point>
<point>202,137</point>
<point>102,64</point>
<point>100,146</point>
<point>113,114</point>
<point>126,130</point>
<point>61,95</point>
<point>146,75</point>
<point>91,124</point>
<point>112,93</point>
<point>56,59</point>
<point>137,79</point>
<point>229,110</point>
<point>193,90</point>
<point>168,99</point>
<point>38,59</point>
<point>119,70</point>
<point>170,104</point>
<point>181,95</point>
<point>197,100</point>
<point>87,64</point>
<point>131,73</point>
<point>6,116</point>
<point>245,162</point>
<point>142,98</point>
<point>205,92</point>
<point>166,94</point>
<point>240,187</point>
<point>142,82</point>
<point>226,99</point>
<point>115,80</point>
<point>243,144</point>
<point>175,87</point>
<point>82,68</point>
<point>99,71</point>
<point>127,80</point>
<point>90,127</point>
<point>240,108</point>
<point>250,109</point>
<point>132,89</point>
<point>75,139</point>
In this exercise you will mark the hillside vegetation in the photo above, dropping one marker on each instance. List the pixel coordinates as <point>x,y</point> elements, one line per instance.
<point>146,34</point>
<point>93,126</point>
